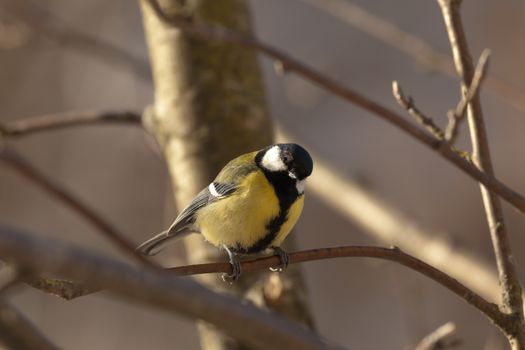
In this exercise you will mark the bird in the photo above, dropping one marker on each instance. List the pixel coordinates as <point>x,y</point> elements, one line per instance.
<point>250,207</point>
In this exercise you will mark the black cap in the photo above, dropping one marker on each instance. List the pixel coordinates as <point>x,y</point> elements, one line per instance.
<point>297,159</point>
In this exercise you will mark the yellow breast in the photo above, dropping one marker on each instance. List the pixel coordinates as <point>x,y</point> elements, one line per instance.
<point>240,219</point>
<point>293,215</point>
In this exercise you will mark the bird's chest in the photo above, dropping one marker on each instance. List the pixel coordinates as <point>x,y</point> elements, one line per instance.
<point>240,220</point>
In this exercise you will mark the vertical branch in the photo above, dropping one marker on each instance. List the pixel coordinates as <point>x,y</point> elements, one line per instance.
<point>511,289</point>
<point>209,107</point>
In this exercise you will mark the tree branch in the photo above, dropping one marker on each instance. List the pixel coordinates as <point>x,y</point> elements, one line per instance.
<point>456,116</point>
<point>414,47</point>
<point>221,34</point>
<point>458,264</point>
<point>28,126</point>
<point>289,64</point>
<point>156,288</point>
<point>69,290</point>
<point>18,333</point>
<point>439,339</point>
<point>392,254</point>
<point>408,104</point>
<point>511,289</point>
<point>14,160</point>
<point>383,221</point>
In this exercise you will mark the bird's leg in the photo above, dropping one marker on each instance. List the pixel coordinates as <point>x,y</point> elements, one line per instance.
<point>236,267</point>
<point>283,256</point>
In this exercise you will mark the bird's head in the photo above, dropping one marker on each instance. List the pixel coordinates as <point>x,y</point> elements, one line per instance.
<point>286,159</point>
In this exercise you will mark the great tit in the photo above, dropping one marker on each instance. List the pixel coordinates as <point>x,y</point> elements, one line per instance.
<point>251,206</point>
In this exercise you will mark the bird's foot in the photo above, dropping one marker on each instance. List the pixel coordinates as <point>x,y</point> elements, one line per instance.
<point>236,268</point>
<point>283,256</point>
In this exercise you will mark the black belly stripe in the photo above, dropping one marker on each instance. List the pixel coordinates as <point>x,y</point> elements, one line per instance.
<point>287,194</point>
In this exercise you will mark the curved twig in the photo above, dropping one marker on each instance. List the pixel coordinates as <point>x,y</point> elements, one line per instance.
<point>509,281</point>
<point>385,31</point>
<point>26,126</point>
<point>157,289</point>
<point>440,339</point>
<point>290,64</point>
<point>70,290</point>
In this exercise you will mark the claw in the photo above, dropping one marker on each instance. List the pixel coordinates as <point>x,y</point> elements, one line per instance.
<point>283,256</point>
<point>236,267</point>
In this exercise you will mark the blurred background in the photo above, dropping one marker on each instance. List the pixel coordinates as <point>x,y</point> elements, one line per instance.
<point>118,170</point>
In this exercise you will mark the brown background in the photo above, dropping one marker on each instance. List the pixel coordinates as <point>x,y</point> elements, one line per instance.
<point>363,304</point>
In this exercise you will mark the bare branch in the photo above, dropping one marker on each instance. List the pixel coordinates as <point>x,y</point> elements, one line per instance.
<point>18,333</point>
<point>473,272</point>
<point>289,64</point>
<point>69,290</point>
<point>221,34</point>
<point>465,267</point>
<point>156,288</point>
<point>27,126</point>
<point>14,160</point>
<point>383,221</point>
<point>511,288</point>
<point>456,116</point>
<point>408,104</point>
<point>392,254</point>
<point>416,48</point>
<point>440,338</point>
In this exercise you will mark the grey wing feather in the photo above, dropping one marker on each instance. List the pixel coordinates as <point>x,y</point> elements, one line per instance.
<point>183,224</point>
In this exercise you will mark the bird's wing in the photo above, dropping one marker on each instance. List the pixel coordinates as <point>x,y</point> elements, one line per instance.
<point>183,224</point>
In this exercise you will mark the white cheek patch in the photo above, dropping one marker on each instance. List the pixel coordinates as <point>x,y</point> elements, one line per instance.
<point>300,185</point>
<point>272,160</point>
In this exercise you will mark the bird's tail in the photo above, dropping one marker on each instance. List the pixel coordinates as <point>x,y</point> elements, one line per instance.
<point>154,245</point>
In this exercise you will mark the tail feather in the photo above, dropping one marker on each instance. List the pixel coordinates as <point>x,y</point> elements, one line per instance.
<point>154,245</point>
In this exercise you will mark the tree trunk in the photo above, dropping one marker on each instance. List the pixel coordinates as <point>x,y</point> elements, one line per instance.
<point>209,108</point>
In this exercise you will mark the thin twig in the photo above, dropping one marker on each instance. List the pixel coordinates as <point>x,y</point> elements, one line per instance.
<point>408,104</point>
<point>439,339</point>
<point>69,289</point>
<point>156,288</point>
<point>224,35</point>
<point>511,288</point>
<point>17,332</point>
<point>221,34</point>
<point>357,198</point>
<point>392,254</point>
<point>14,160</point>
<point>384,221</point>
<point>27,126</point>
<point>456,116</point>
<point>414,47</point>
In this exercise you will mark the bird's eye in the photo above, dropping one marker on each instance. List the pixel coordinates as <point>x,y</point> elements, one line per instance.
<point>287,158</point>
